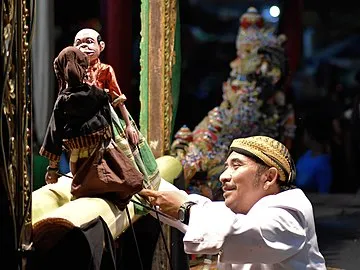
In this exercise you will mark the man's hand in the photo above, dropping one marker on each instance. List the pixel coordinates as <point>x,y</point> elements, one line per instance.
<point>169,202</point>
<point>51,177</point>
<point>132,134</point>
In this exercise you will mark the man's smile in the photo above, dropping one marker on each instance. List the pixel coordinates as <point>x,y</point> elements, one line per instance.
<point>227,187</point>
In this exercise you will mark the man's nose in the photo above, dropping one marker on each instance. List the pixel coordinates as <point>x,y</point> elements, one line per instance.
<point>225,177</point>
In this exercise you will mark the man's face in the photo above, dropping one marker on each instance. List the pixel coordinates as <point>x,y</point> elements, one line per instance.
<point>86,41</point>
<point>241,183</point>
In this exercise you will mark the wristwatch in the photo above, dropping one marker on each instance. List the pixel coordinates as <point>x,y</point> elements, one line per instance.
<point>184,212</point>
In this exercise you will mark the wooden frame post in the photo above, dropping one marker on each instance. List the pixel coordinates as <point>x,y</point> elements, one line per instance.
<point>158,58</point>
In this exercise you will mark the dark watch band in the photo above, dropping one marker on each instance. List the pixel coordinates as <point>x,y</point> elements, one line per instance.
<point>184,212</point>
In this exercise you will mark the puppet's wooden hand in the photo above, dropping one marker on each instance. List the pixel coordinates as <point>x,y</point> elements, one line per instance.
<point>51,177</point>
<point>132,134</point>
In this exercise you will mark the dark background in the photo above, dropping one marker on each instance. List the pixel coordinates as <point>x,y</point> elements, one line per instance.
<point>328,52</point>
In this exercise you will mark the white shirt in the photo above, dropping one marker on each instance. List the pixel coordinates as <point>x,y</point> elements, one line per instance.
<point>277,233</point>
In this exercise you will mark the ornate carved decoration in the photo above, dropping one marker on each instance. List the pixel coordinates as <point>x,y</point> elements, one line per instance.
<point>15,120</point>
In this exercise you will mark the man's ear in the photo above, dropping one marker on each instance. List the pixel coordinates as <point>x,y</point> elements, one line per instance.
<point>102,46</point>
<point>271,177</point>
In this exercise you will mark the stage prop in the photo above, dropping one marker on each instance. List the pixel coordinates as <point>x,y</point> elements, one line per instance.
<point>254,103</point>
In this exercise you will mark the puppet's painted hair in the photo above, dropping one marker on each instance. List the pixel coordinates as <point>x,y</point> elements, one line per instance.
<point>99,38</point>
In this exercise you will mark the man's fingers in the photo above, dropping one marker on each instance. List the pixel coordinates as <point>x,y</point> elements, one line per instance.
<point>148,193</point>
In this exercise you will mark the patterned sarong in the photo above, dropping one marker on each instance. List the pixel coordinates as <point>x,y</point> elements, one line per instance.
<point>140,154</point>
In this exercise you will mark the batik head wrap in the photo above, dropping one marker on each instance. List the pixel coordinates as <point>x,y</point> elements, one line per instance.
<point>268,151</point>
<point>70,66</point>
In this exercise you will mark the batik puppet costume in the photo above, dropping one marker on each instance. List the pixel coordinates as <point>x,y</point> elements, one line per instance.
<point>81,115</point>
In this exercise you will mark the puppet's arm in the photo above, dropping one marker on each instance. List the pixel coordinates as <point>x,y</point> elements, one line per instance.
<point>131,132</point>
<point>52,145</point>
<point>118,101</point>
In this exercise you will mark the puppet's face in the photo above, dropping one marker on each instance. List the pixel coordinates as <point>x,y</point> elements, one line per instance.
<point>86,41</point>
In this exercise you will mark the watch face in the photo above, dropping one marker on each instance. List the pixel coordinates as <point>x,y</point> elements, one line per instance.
<point>181,214</point>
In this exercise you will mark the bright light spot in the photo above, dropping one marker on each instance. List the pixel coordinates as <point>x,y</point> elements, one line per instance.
<point>274,11</point>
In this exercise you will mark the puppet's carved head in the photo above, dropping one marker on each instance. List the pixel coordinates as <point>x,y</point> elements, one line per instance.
<point>89,41</point>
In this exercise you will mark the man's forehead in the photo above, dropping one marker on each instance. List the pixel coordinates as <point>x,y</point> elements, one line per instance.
<point>237,156</point>
<point>86,33</point>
